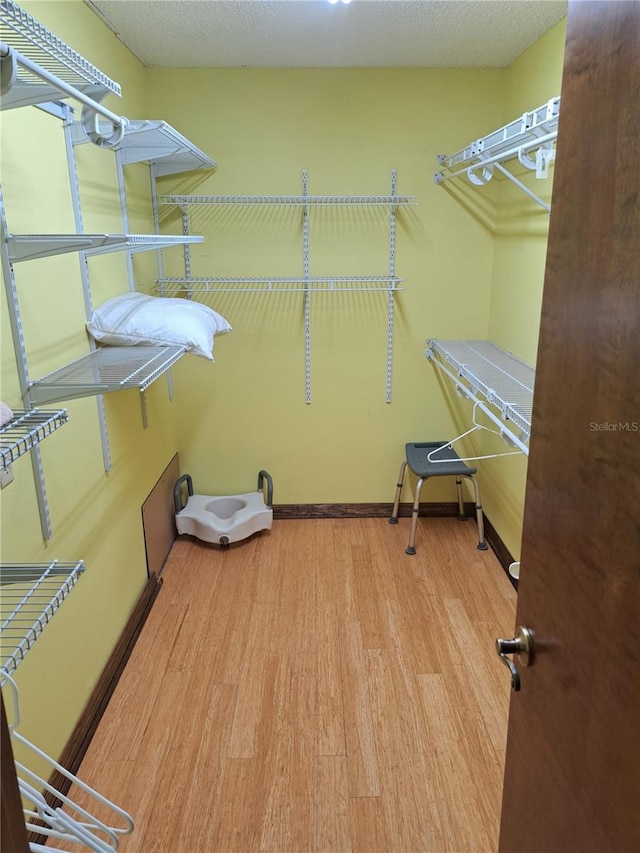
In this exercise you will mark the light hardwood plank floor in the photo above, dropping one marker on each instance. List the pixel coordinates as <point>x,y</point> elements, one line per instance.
<point>314,689</point>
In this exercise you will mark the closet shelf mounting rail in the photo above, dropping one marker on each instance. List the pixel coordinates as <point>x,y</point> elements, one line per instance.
<point>485,373</point>
<point>25,430</point>
<point>27,247</point>
<point>537,130</point>
<point>31,594</point>
<point>103,370</point>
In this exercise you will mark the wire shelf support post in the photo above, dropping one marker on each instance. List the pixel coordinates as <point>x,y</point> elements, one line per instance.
<point>392,278</point>
<point>307,292</point>
<point>23,369</point>
<point>74,185</point>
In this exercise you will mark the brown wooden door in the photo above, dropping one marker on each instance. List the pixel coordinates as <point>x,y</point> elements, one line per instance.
<point>572,780</point>
<point>13,833</point>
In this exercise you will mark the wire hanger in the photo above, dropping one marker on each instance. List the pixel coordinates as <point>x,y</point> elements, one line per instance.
<point>74,825</point>
<point>476,426</point>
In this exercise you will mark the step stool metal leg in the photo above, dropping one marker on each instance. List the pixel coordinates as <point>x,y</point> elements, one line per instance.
<point>396,503</point>
<point>482,545</point>
<point>411,548</point>
<point>461,513</point>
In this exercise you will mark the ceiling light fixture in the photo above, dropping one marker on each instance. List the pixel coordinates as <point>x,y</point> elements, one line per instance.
<point>333,2</point>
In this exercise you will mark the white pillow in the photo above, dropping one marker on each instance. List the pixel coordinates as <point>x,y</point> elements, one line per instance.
<point>135,319</point>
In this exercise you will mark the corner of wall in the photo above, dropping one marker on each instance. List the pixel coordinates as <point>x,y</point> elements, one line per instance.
<point>518,266</point>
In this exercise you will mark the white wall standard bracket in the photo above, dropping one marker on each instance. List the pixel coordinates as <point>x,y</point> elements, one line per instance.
<point>6,476</point>
<point>143,405</point>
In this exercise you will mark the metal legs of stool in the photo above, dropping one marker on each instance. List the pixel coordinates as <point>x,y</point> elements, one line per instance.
<point>462,516</point>
<point>411,548</point>
<point>482,545</point>
<point>396,503</point>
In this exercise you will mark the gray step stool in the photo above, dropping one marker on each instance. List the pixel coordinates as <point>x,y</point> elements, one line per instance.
<point>417,458</point>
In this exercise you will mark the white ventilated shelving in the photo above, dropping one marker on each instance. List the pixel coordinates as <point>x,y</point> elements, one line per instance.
<point>286,284</point>
<point>305,284</point>
<point>26,430</point>
<point>534,131</point>
<point>30,594</point>
<point>487,374</point>
<point>165,151</point>
<point>287,200</point>
<point>104,370</point>
<point>27,247</point>
<point>38,67</point>
<point>318,284</point>
<point>155,143</point>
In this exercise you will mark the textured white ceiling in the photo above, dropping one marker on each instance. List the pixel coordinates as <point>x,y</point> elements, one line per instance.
<point>315,33</point>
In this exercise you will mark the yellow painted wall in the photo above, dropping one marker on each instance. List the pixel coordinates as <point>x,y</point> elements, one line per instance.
<point>518,272</point>
<point>348,128</point>
<point>95,516</point>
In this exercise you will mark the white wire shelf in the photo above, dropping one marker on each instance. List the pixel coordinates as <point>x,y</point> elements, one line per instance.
<point>318,284</point>
<point>290,200</point>
<point>29,39</point>
<point>26,430</point>
<point>503,380</point>
<point>526,129</point>
<point>30,594</point>
<point>27,247</point>
<point>157,144</point>
<point>104,370</point>
<point>533,131</point>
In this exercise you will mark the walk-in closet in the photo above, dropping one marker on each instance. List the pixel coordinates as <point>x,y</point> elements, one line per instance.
<point>319,426</point>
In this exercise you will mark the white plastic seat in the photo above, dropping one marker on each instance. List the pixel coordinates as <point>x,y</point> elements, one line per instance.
<point>225,518</point>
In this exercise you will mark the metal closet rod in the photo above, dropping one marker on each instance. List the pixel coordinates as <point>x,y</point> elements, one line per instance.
<point>119,122</point>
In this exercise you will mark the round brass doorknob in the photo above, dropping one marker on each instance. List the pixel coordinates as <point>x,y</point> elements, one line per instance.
<point>521,647</point>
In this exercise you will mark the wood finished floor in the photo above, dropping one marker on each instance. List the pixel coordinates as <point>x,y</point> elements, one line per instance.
<point>315,689</point>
